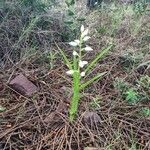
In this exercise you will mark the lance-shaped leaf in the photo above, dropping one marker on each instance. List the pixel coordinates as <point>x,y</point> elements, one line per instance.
<point>65,58</point>
<point>81,19</point>
<point>70,2</point>
<point>71,12</point>
<point>97,77</point>
<point>98,57</point>
<point>147,63</point>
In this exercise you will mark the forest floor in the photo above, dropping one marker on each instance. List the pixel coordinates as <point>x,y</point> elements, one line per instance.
<point>114,112</point>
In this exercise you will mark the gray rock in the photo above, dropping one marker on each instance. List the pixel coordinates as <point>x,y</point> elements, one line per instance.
<point>91,118</point>
<point>22,85</point>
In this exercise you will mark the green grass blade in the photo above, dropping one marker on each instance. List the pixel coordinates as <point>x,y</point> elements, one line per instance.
<point>97,77</point>
<point>65,58</point>
<point>98,57</point>
<point>147,63</point>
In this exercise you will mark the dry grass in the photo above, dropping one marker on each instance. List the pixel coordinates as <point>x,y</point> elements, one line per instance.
<point>41,122</point>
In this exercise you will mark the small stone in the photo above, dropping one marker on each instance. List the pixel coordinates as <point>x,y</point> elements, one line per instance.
<point>91,118</point>
<point>23,86</point>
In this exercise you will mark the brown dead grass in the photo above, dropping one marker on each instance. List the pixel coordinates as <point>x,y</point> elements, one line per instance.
<point>41,122</point>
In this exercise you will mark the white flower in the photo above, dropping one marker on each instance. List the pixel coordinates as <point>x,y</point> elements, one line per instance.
<point>70,72</point>
<point>88,48</point>
<point>73,43</point>
<point>82,63</point>
<point>82,74</point>
<point>77,41</point>
<point>95,3</point>
<point>84,33</point>
<point>75,53</point>
<point>86,38</point>
<point>82,28</point>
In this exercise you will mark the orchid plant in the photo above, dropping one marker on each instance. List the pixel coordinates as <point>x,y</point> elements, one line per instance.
<point>79,67</point>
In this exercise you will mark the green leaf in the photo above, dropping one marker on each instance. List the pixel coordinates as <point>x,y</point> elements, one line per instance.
<point>98,57</point>
<point>132,96</point>
<point>147,63</point>
<point>2,108</point>
<point>68,22</point>
<point>70,2</point>
<point>97,77</point>
<point>65,58</point>
<point>81,19</point>
<point>146,111</point>
<point>71,12</point>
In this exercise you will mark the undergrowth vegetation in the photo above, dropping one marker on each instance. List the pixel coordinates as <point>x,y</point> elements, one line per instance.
<point>104,103</point>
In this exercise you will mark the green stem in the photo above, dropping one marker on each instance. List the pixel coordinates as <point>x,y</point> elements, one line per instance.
<point>80,54</point>
<point>76,96</point>
<point>76,85</point>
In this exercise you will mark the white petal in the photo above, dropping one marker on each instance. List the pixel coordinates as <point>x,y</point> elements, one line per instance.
<point>82,74</point>
<point>77,41</point>
<point>88,48</point>
<point>75,53</point>
<point>82,63</point>
<point>84,33</point>
<point>70,72</point>
<point>86,38</point>
<point>73,44</point>
<point>82,28</point>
